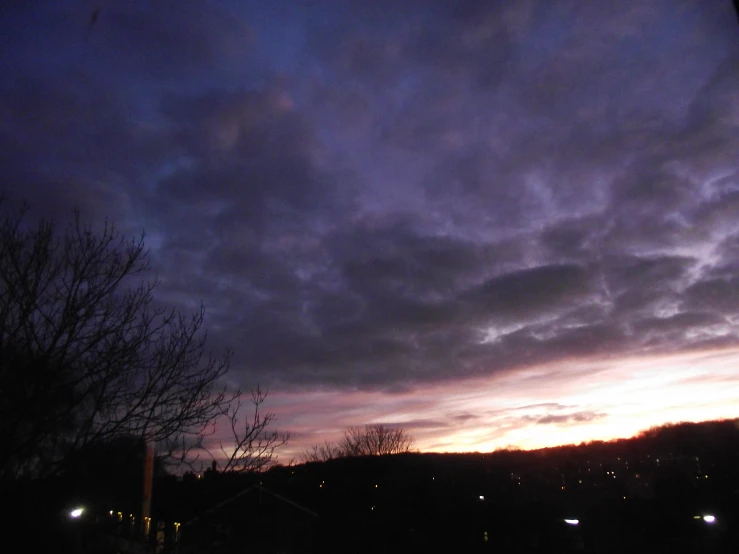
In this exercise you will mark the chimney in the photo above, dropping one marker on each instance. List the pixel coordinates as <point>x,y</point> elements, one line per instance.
<point>213,466</point>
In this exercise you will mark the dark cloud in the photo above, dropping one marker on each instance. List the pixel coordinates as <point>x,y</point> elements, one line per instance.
<point>720,296</point>
<point>577,417</point>
<point>463,418</point>
<point>379,202</point>
<point>527,293</point>
<point>410,426</point>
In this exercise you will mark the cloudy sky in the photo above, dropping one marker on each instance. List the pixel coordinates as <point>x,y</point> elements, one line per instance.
<point>494,223</point>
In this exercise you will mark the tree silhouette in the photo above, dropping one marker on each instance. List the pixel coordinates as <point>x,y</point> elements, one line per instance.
<point>375,440</point>
<point>370,440</point>
<point>253,446</point>
<point>87,356</point>
<point>322,452</point>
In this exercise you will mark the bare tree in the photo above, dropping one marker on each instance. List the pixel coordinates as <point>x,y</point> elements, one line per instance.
<point>375,440</point>
<point>87,356</point>
<point>370,440</point>
<point>322,452</point>
<point>253,447</point>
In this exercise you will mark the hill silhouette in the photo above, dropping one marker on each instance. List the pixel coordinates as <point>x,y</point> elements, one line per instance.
<point>649,492</point>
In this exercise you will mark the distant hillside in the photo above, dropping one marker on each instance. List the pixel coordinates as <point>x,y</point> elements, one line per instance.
<point>625,494</point>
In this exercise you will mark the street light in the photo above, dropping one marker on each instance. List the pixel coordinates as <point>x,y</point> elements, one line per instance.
<point>76,513</point>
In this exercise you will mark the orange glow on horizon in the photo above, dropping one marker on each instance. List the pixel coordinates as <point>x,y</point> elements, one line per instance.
<point>563,403</point>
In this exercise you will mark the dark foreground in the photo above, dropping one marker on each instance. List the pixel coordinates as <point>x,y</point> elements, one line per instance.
<point>674,490</point>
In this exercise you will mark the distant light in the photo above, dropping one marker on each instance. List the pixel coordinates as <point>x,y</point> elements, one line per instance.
<point>572,521</point>
<point>709,519</point>
<point>111,512</point>
<point>376,486</point>
<point>77,512</point>
<point>697,517</point>
<point>482,497</point>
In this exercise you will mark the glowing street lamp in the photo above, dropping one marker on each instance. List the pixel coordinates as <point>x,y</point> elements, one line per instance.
<point>76,513</point>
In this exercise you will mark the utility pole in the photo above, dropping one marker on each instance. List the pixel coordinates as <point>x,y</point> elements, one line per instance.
<point>148,480</point>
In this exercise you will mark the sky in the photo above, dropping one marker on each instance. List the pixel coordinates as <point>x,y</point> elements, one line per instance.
<point>491,223</point>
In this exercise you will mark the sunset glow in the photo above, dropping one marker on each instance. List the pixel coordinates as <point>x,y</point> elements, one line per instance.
<point>581,401</point>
